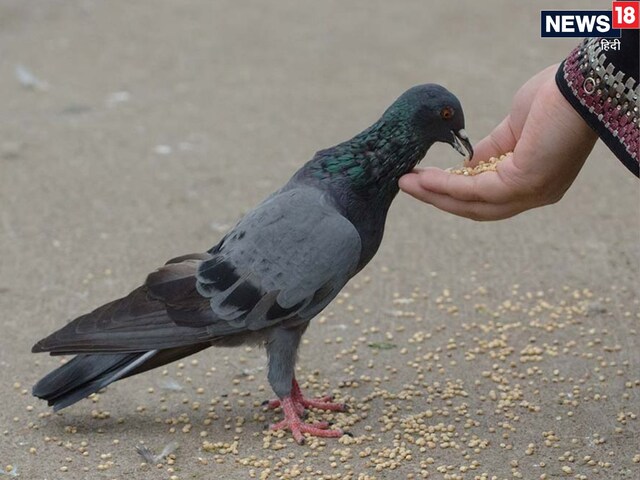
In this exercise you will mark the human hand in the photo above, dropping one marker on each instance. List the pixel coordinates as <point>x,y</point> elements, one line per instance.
<point>550,143</point>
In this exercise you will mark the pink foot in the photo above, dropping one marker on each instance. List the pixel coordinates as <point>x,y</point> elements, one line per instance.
<point>293,407</point>
<point>301,402</point>
<point>273,404</point>
<point>293,422</point>
<point>323,403</point>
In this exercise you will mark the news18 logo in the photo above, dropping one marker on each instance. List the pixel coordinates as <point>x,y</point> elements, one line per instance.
<point>590,23</point>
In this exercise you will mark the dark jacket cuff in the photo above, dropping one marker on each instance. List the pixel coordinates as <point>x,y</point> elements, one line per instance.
<point>605,97</point>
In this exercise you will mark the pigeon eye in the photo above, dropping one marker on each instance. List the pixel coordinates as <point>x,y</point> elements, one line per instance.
<point>446,113</point>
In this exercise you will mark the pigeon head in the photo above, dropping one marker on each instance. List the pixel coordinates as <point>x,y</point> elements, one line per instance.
<point>430,113</point>
<point>372,162</point>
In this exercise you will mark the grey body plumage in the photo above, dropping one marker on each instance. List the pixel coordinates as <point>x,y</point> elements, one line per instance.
<point>272,273</point>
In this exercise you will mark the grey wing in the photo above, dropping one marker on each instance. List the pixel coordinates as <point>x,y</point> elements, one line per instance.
<point>286,259</point>
<point>165,312</point>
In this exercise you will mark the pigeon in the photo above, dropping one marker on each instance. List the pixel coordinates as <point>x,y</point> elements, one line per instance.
<point>279,267</point>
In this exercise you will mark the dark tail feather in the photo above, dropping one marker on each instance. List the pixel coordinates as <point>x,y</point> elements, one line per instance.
<point>166,355</point>
<point>84,375</point>
<point>87,373</point>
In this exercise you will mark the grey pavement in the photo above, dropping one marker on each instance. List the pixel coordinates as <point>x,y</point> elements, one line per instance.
<point>466,350</point>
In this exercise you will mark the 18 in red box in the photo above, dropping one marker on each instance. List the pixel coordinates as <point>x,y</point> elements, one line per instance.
<point>626,14</point>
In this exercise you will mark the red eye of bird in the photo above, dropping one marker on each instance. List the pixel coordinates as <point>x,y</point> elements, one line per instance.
<point>446,113</point>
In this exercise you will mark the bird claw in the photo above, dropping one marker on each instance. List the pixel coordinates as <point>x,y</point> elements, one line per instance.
<point>294,408</point>
<point>271,404</point>
<point>322,403</point>
<point>298,428</point>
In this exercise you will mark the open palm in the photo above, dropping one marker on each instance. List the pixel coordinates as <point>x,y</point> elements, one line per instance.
<point>550,143</point>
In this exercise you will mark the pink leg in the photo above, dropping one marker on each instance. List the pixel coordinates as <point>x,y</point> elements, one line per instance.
<point>293,422</point>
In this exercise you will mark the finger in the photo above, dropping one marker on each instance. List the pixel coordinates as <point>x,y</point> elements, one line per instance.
<point>410,183</point>
<point>478,211</point>
<point>487,187</point>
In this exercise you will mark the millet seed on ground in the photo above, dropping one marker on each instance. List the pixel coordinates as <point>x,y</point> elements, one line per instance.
<point>414,412</point>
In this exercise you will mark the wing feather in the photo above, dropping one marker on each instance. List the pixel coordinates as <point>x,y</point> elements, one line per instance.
<point>283,261</point>
<point>291,247</point>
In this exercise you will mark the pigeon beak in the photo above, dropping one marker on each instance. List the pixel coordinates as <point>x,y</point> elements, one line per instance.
<point>462,144</point>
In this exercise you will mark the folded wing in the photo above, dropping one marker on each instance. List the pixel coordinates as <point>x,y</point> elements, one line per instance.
<point>283,262</point>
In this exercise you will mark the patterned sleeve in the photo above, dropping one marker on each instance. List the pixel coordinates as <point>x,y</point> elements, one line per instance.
<point>601,83</point>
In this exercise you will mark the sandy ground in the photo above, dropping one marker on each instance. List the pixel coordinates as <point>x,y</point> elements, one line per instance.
<point>468,351</point>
